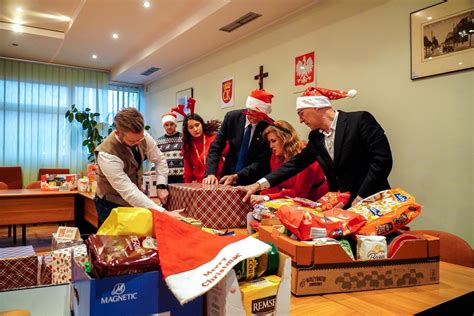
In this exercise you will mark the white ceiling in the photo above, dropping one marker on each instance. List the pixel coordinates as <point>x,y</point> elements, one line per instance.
<point>168,35</point>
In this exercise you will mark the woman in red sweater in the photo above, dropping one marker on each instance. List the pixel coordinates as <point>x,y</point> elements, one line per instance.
<point>197,138</point>
<point>285,143</point>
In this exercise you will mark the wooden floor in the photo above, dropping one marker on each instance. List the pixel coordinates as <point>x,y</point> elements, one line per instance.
<point>39,236</point>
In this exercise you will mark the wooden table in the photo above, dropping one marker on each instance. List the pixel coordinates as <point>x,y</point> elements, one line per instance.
<point>31,206</point>
<point>86,208</point>
<point>455,281</point>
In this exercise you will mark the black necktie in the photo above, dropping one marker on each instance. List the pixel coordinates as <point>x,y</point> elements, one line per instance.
<point>136,154</point>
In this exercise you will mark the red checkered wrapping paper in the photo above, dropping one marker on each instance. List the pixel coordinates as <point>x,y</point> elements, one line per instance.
<point>216,206</point>
<point>18,267</point>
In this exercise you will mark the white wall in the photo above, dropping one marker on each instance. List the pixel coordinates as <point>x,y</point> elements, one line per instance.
<point>363,45</point>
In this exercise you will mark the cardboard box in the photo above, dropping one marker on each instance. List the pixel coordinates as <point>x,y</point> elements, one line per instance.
<point>18,267</point>
<point>134,294</point>
<point>226,299</point>
<point>40,300</point>
<point>328,268</point>
<point>216,206</point>
<point>46,270</point>
<point>66,237</point>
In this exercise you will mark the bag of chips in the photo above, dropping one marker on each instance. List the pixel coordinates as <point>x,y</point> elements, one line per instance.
<point>117,255</point>
<point>333,199</point>
<point>386,211</point>
<point>307,225</point>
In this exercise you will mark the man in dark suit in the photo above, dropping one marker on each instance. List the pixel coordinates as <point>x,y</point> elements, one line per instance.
<point>248,158</point>
<point>351,147</point>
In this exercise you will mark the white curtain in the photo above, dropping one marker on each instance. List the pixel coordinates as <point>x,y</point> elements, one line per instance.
<point>33,100</point>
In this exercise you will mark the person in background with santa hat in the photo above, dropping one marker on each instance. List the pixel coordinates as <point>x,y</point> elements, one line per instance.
<point>248,158</point>
<point>351,147</point>
<point>197,138</point>
<point>171,144</point>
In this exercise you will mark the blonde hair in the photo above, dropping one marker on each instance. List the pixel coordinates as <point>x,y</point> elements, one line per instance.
<point>129,120</point>
<point>292,144</point>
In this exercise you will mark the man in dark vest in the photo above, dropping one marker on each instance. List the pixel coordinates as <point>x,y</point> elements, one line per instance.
<point>119,159</point>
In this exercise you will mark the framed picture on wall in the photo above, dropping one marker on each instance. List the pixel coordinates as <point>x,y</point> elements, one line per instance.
<point>182,97</point>
<point>442,39</point>
<point>304,72</point>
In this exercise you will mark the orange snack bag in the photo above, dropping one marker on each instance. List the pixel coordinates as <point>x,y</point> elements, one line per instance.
<point>386,211</point>
<point>332,199</point>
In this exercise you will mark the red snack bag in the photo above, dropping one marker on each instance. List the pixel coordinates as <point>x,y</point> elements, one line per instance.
<point>117,255</point>
<point>332,199</point>
<point>307,225</point>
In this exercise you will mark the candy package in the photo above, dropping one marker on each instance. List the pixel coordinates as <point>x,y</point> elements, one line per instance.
<point>117,255</point>
<point>386,211</point>
<point>308,225</point>
<point>333,199</point>
<point>371,247</point>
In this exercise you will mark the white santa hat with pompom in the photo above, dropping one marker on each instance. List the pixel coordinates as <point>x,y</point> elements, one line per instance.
<point>315,97</point>
<point>169,117</point>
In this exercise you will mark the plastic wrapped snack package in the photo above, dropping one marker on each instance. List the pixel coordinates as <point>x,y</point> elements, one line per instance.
<point>333,199</point>
<point>308,225</point>
<point>386,211</point>
<point>132,221</point>
<point>118,255</point>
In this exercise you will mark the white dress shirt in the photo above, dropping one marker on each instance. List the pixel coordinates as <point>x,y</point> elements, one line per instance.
<point>112,168</point>
<point>330,136</point>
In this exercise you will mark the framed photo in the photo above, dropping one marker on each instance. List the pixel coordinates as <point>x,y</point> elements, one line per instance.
<point>442,39</point>
<point>182,98</point>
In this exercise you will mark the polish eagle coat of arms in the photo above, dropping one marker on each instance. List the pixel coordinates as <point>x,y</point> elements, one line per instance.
<point>304,69</point>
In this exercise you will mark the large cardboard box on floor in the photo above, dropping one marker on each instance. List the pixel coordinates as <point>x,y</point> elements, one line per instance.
<point>226,298</point>
<point>328,269</point>
<point>127,295</point>
<point>216,206</point>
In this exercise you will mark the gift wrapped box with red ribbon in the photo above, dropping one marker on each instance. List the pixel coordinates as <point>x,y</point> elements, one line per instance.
<point>216,206</point>
<point>18,267</point>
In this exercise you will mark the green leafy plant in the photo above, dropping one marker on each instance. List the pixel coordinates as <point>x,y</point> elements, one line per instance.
<point>94,129</point>
<point>91,125</point>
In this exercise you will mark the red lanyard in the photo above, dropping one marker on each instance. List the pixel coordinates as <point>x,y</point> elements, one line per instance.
<point>203,161</point>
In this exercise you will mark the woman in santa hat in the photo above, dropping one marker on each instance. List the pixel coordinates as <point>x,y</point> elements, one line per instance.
<point>197,138</point>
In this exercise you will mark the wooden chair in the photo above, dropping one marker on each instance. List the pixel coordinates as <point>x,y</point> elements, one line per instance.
<point>33,185</point>
<point>12,177</point>
<point>453,249</point>
<point>43,171</point>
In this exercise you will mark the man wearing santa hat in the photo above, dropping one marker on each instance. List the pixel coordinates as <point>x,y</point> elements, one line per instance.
<point>351,147</point>
<point>170,145</point>
<point>248,158</point>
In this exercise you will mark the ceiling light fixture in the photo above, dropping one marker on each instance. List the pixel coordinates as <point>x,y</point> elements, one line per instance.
<point>460,63</point>
<point>19,9</point>
<point>146,4</point>
<point>94,56</point>
<point>115,35</point>
<point>17,28</point>
<point>430,18</point>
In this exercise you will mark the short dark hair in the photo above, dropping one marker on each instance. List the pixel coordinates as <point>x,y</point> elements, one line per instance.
<point>129,120</point>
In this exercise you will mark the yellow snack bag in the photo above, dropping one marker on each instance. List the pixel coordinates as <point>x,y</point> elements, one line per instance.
<point>133,221</point>
<point>259,296</point>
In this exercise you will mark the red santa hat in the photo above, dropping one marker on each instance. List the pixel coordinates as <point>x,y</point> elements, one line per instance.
<point>315,97</point>
<point>193,261</point>
<point>169,117</point>
<point>260,100</point>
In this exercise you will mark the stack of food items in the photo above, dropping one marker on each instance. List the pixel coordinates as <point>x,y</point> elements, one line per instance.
<point>360,229</point>
<point>87,183</point>
<point>56,182</point>
<point>259,282</point>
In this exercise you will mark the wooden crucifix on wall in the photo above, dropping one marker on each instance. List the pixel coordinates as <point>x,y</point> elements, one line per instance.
<point>260,77</point>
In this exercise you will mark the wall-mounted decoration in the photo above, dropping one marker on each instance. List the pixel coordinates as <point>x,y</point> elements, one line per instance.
<point>227,92</point>
<point>182,98</point>
<point>442,38</point>
<point>304,70</point>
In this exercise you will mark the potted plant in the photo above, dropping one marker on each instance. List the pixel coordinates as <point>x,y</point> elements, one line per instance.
<point>90,124</point>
